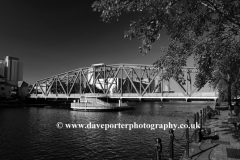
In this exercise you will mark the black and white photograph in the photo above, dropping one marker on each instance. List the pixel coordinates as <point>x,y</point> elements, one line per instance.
<point>119,79</point>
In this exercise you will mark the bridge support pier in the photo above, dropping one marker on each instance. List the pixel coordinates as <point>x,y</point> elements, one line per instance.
<point>120,102</point>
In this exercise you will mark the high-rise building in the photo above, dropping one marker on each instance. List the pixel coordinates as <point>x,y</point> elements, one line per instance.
<point>11,76</point>
<point>20,71</point>
<point>2,67</point>
<point>13,69</point>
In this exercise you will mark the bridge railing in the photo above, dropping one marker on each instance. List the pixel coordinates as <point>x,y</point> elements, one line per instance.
<point>199,133</point>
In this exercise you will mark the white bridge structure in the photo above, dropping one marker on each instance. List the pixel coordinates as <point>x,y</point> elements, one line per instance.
<point>121,81</point>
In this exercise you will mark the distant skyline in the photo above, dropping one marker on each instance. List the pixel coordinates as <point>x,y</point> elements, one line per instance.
<point>54,36</point>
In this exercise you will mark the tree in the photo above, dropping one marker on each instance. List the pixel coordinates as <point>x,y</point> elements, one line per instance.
<point>207,29</point>
<point>221,83</point>
<point>236,91</point>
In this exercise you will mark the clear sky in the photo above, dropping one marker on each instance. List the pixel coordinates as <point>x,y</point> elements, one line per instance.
<point>54,36</point>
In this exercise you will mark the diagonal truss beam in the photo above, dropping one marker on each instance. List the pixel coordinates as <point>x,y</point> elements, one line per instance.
<point>183,90</point>
<point>114,78</point>
<point>61,84</point>
<point>150,82</point>
<point>87,82</point>
<point>97,79</point>
<point>32,88</point>
<point>40,88</point>
<point>52,82</point>
<point>140,79</point>
<point>130,80</point>
<point>76,76</point>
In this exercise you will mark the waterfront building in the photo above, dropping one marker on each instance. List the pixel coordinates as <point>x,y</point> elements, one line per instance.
<point>22,89</point>
<point>2,67</point>
<point>6,89</point>
<point>11,78</point>
<point>13,70</point>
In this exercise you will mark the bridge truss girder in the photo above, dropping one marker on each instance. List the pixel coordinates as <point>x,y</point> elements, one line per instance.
<point>108,79</point>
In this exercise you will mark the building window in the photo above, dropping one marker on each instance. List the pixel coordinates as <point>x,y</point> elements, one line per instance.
<point>2,88</point>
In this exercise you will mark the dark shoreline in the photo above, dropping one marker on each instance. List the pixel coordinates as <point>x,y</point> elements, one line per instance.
<point>33,103</point>
<point>5,105</point>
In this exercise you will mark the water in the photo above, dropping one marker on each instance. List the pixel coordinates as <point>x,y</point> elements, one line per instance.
<point>31,133</point>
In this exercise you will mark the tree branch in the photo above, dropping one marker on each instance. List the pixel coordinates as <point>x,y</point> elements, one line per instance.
<point>222,14</point>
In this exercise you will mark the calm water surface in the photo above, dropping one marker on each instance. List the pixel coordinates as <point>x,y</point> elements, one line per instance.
<point>31,133</point>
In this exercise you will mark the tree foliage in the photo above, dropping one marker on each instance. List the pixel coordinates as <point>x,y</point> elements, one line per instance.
<point>207,29</point>
<point>223,84</point>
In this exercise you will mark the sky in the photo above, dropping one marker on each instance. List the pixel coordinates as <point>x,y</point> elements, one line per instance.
<point>54,36</point>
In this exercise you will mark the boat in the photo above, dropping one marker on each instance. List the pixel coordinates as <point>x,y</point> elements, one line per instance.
<point>95,104</point>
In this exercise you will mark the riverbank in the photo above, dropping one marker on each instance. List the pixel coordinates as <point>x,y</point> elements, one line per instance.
<point>226,146</point>
<point>33,103</point>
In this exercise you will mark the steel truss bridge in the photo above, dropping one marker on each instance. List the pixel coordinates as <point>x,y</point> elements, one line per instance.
<point>119,81</point>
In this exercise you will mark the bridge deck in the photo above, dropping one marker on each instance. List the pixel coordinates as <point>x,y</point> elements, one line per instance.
<point>199,95</point>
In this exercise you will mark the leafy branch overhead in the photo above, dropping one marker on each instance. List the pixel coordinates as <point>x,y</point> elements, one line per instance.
<point>207,29</point>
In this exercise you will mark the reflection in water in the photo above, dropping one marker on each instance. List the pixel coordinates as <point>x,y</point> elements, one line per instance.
<point>32,134</point>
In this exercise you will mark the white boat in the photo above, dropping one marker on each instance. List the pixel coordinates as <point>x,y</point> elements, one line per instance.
<point>94,104</point>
